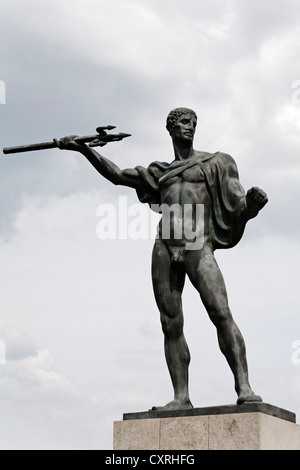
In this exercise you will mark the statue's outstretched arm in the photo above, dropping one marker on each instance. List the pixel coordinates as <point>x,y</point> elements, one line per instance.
<point>108,169</point>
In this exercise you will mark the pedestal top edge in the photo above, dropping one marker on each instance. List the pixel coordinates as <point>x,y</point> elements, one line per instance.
<point>253,407</point>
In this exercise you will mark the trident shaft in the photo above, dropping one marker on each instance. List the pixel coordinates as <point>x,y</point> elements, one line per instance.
<point>97,140</point>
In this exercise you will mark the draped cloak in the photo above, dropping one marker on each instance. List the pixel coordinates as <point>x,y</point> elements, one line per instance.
<point>229,213</point>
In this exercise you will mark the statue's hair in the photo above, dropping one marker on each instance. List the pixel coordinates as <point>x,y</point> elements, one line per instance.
<point>175,114</point>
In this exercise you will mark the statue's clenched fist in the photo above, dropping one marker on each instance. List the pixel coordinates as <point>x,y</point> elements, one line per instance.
<point>256,199</point>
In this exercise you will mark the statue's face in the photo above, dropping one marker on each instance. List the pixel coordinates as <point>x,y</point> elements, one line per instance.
<point>184,128</point>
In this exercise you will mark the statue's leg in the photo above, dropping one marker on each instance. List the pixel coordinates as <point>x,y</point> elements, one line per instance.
<point>168,281</point>
<point>206,276</point>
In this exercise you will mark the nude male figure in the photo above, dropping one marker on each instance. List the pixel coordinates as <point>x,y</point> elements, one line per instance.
<point>193,178</point>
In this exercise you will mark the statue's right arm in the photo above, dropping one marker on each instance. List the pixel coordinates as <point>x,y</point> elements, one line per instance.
<point>128,177</point>
<point>110,171</point>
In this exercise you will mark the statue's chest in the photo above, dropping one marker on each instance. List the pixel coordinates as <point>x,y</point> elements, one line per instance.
<point>193,174</point>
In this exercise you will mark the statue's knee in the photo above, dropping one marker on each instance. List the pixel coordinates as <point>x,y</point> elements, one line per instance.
<point>171,326</point>
<point>220,315</point>
<point>168,308</point>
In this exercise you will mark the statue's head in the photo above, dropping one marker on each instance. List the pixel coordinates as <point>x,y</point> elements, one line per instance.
<point>177,113</point>
<point>181,124</point>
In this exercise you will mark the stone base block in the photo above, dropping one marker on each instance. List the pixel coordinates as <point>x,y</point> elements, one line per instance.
<point>234,431</point>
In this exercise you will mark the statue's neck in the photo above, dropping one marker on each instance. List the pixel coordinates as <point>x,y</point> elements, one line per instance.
<point>183,152</point>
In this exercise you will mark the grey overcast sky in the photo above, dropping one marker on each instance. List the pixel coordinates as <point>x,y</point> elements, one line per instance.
<point>78,318</point>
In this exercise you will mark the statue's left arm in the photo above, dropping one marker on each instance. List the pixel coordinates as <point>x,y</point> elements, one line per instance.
<point>250,203</point>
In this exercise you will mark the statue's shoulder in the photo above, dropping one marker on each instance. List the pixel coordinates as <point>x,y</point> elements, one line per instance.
<point>220,158</point>
<point>225,157</point>
<point>156,169</point>
<point>159,165</point>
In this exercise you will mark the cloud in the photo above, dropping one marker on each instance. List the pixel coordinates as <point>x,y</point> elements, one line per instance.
<point>139,39</point>
<point>40,399</point>
<point>82,330</point>
<point>17,344</point>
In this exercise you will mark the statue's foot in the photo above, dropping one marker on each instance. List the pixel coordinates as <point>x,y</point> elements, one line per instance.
<point>174,405</point>
<point>248,398</point>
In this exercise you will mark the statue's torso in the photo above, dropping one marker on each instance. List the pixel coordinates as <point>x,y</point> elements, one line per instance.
<point>182,194</point>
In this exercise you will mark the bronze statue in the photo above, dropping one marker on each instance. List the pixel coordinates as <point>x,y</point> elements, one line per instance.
<point>193,178</point>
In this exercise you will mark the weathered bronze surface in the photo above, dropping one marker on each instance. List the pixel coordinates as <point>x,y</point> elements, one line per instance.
<point>193,179</point>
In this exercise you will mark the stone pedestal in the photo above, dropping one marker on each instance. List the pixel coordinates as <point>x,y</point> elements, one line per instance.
<point>255,426</point>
